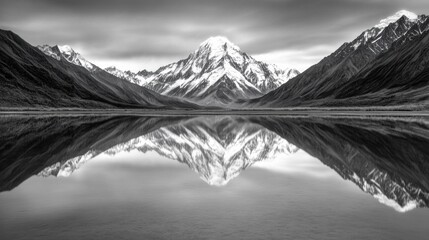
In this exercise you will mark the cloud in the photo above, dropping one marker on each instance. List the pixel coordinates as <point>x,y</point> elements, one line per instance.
<point>300,59</point>
<point>160,29</point>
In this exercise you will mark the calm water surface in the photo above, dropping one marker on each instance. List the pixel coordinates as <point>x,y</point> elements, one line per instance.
<point>213,178</point>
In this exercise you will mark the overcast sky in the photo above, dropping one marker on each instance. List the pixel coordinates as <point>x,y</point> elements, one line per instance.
<point>136,35</point>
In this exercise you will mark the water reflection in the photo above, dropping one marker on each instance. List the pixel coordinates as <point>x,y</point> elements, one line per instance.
<point>218,149</point>
<point>385,158</point>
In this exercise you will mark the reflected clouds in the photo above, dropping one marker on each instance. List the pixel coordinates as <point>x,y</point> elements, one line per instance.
<point>300,163</point>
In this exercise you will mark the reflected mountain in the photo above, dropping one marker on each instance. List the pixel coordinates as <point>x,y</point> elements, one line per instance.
<point>31,144</point>
<point>385,158</point>
<point>217,148</point>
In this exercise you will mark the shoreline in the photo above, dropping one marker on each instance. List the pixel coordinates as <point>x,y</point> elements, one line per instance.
<point>250,112</point>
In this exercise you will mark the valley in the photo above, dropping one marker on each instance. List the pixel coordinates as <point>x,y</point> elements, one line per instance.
<point>385,68</point>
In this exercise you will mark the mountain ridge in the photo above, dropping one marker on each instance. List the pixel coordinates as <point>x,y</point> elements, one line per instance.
<point>319,84</point>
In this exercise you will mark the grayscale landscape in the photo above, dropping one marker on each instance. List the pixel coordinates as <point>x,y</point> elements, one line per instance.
<point>239,119</point>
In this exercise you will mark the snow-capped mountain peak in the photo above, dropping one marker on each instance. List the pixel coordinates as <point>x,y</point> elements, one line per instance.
<point>216,41</point>
<point>219,43</point>
<point>65,49</point>
<point>391,19</point>
<point>380,37</point>
<point>66,52</point>
<point>214,51</point>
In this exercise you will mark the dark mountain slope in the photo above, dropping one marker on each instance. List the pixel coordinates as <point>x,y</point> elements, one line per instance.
<point>29,78</point>
<point>325,79</point>
<point>398,77</point>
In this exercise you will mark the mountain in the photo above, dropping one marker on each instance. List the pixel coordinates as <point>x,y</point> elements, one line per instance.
<point>324,79</point>
<point>31,78</point>
<point>217,73</point>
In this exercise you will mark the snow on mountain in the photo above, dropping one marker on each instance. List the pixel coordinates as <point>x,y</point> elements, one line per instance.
<point>391,19</point>
<point>48,50</point>
<point>67,53</point>
<point>137,78</point>
<point>381,34</point>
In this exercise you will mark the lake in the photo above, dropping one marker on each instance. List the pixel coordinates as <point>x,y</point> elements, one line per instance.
<point>214,177</point>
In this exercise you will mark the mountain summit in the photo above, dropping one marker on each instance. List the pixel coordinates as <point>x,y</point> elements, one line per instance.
<point>395,17</point>
<point>217,48</point>
<point>66,52</point>
<point>219,43</point>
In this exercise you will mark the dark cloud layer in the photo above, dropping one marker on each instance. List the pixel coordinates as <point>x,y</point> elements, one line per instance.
<point>151,32</point>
